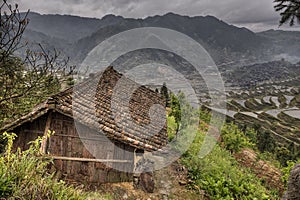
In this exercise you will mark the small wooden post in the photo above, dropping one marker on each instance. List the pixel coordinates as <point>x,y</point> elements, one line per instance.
<point>134,159</point>
<point>44,144</point>
<point>136,176</point>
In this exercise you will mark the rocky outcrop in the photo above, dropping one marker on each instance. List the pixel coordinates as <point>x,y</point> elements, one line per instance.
<point>147,182</point>
<point>293,190</point>
<point>143,177</point>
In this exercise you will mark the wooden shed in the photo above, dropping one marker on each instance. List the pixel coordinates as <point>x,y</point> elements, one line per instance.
<point>91,142</point>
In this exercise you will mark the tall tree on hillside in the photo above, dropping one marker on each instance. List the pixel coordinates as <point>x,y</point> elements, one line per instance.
<point>165,93</point>
<point>175,109</point>
<point>290,11</point>
<point>25,81</point>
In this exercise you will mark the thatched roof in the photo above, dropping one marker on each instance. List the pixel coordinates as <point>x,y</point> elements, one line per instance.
<point>90,103</point>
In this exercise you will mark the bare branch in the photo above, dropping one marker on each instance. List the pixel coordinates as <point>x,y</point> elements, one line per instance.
<point>31,80</point>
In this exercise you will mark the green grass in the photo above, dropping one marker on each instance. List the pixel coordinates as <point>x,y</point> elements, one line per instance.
<point>221,176</point>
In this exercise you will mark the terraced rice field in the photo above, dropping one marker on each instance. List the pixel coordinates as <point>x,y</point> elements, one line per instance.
<point>293,113</point>
<point>251,114</point>
<point>241,102</point>
<point>276,104</point>
<point>288,99</point>
<point>267,99</point>
<point>258,101</point>
<point>274,112</point>
<point>275,100</point>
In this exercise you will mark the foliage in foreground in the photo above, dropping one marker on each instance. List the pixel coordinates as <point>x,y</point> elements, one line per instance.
<point>286,171</point>
<point>234,139</point>
<point>23,175</point>
<point>221,176</point>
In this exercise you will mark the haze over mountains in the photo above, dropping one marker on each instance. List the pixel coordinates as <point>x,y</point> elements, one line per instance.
<point>77,36</point>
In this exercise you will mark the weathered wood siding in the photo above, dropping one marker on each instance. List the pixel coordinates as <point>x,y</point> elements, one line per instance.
<point>66,142</point>
<point>29,132</point>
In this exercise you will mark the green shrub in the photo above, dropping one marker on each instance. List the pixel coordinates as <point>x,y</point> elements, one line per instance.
<point>204,115</point>
<point>265,142</point>
<point>220,175</point>
<point>172,127</point>
<point>234,139</point>
<point>286,171</point>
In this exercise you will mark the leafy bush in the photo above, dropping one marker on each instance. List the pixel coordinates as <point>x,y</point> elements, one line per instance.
<point>172,127</point>
<point>220,175</point>
<point>283,155</point>
<point>204,115</point>
<point>23,175</point>
<point>286,171</point>
<point>265,142</point>
<point>234,139</point>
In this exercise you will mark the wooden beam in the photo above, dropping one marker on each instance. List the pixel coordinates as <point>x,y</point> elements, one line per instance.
<point>134,158</point>
<point>105,139</point>
<point>33,131</point>
<point>89,159</point>
<point>44,144</point>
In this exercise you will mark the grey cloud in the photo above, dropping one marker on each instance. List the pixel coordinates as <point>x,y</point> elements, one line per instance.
<point>254,14</point>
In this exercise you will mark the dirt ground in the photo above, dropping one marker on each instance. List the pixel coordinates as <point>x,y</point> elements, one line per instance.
<point>261,169</point>
<point>170,183</point>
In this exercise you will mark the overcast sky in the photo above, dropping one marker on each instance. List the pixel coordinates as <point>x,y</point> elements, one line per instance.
<point>256,15</point>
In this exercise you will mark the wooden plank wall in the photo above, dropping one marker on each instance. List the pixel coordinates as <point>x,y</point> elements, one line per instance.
<point>66,142</point>
<point>125,152</point>
<point>29,132</point>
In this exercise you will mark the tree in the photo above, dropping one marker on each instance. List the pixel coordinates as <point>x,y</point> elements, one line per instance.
<point>265,141</point>
<point>234,139</point>
<point>187,111</point>
<point>290,11</point>
<point>12,28</point>
<point>294,151</point>
<point>165,93</point>
<point>283,155</point>
<point>184,114</point>
<point>28,80</point>
<point>175,109</point>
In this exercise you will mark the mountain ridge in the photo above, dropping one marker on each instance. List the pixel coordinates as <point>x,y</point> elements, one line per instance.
<point>224,42</point>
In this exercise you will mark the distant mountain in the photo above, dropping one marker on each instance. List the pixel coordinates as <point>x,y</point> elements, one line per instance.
<point>284,44</point>
<point>34,37</point>
<point>67,27</point>
<point>77,36</point>
<point>224,42</point>
<point>208,29</point>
